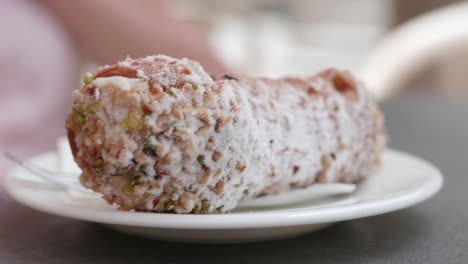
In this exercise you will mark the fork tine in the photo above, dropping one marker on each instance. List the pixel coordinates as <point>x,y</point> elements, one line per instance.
<point>11,157</point>
<point>23,163</point>
<point>64,182</point>
<point>36,170</point>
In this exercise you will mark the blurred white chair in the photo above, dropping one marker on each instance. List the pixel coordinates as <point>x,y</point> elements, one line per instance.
<point>411,46</point>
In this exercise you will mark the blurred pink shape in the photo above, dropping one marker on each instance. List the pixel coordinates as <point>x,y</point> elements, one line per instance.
<point>38,66</point>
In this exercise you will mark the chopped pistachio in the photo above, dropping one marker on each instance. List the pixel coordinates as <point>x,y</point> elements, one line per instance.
<point>219,187</point>
<point>205,205</point>
<point>149,148</point>
<point>246,192</point>
<point>133,120</point>
<point>272,173</point>
<point>87,132</point>
<point>195,87</point>
<point>98,165</point>
<point>201,159</point>
<point>128,189</point>
<point>99,162</point>
<point>170,124</point>
<point>169,91</point>
<point>143,168</point>
<point>134,179</point>
<point>88,78</point>
<point>79,117</point>
<point>196,209</point>
<point>176,134</point>
<point>235,120</point>
<point>92,108</point>
<point>171,205</point>
<point>146,113</point>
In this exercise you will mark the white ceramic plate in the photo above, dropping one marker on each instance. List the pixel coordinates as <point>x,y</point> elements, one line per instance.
<point>402,181</point>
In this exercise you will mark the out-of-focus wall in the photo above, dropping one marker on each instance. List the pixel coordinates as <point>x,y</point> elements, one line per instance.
<point>275,37</point>
<point>449,74</point>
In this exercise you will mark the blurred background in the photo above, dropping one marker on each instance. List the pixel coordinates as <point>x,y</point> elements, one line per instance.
<point>274,37</point>
<point>47,45</point>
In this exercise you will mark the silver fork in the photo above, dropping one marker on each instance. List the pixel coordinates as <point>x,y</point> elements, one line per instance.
<point>62,179</point>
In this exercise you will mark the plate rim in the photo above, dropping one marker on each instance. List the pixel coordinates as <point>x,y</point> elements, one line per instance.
<point>264,219</point>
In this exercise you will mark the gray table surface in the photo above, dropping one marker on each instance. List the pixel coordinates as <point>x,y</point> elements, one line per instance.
<point>435,231</point>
